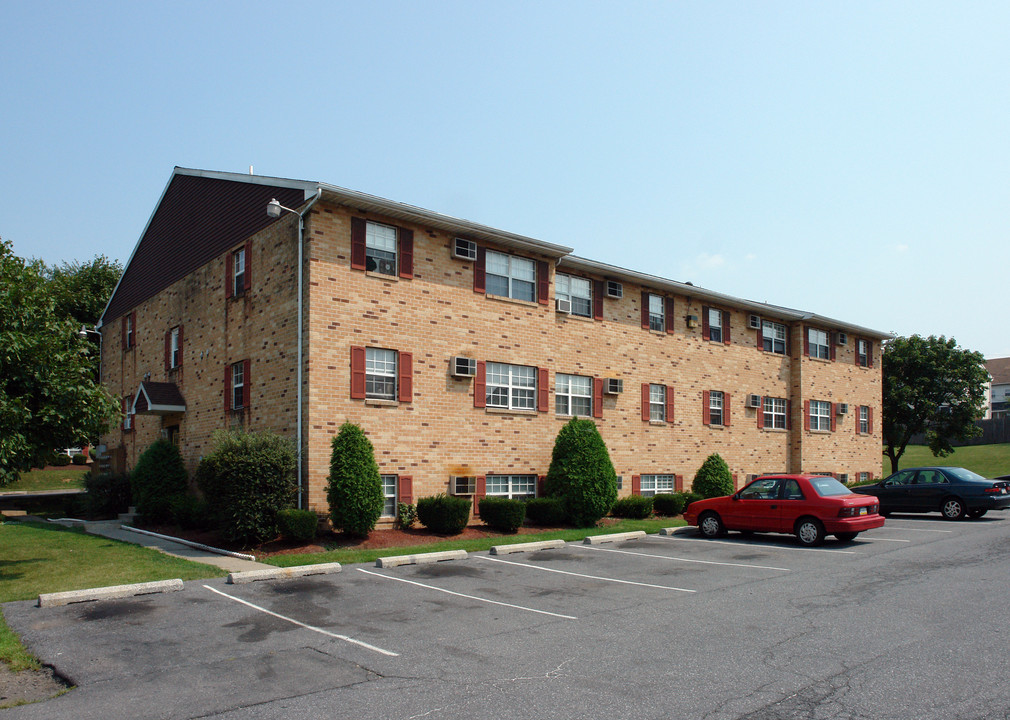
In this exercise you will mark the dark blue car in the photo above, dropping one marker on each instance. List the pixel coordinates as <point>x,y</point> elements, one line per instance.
<point>952,491</point>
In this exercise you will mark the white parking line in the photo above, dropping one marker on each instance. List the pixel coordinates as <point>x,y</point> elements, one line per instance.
<point>911,529</point>
<point>765,545</point>
<point>313,628</point>
<point>591,577</point>
<point>880,539</point>
<point>680,559</point>
<point>469,597</point>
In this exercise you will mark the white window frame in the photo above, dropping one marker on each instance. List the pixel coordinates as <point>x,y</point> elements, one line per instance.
<point>715,407</point>
<point>863,353</point>
<point>650,485</point>
<point>714,325</point>
<point>820,343</point>
<point>380,371</point>
<point>128,420</point>
<point>657,403</point>
<point>238,271</point>
<point>129,330</point>
<point>237,385</point>
<point>567,397</point>
<point>773,337</point>
<point>577,290</point>
<point>657,313</point>
<point>774,413</point>
<point>390,494</point>
<point>174,351</point>
<point>377,238</point>
<point>515,276</point>
<point>864,419</point>
<point>511,486</point>
<point>510,387</point>
<point>862,477</point>
<point>820,415</point>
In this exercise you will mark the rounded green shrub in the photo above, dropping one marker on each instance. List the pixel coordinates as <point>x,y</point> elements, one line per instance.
<point>713,478</point>
<point>503,514</point>
<point>354,492</point>
<point>158,478</point>
<point>79,459</point>
<point>635,507</point>
<point>60,460</point>
<point>190,512</point>
<point>444,514</point>
<point>581,473</point>
<point>406,514</point>
<point>247,479</point>
<point>545,511</point>
<point>690,497</point>
<point>298,525</point>
<point>668,504</point>
<point>106,495</point>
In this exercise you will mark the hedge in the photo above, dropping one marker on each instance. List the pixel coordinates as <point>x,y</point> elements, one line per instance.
<point>503,514</point>
<point>444,514</point>
<point>545,511</point>
<point>298,525</point>
<point>635,507</point>
<point>157,480</point>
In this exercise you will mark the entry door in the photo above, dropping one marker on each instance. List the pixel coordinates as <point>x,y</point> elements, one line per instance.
<point>757,507</point>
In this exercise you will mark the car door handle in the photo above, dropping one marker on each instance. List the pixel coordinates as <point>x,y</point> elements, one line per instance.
<point>772,507</point>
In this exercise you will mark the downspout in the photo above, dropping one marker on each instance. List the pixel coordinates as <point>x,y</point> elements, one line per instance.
<point>298,374</point>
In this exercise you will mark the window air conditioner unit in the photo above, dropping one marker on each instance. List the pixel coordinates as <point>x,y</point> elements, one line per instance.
<point>614,289</point>
<point>463,367</point>
<point>386,267</point>
<point>843,408</point>
<point>563,306</point>
<point>462,485</point>
<point>613,386</point>
<point>753,401</point>
<point>843,339</point>
<point>755,322</point>
<point>464,249</point>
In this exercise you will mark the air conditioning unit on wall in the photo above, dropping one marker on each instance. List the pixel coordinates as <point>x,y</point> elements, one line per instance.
<point>463,249</point>
<point>563,306</point>
<point>614,289</point>
<point>613,386</point>
<point>462,367</point>
<point>753,401</point>
<point>843,339</point>
<point>755,322</point>
<point>462,484</point>
<point>843,408</point>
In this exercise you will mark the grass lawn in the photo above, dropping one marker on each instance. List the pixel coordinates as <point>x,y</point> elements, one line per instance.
<point>652,525</point>
<point>41,558</point>
<point>987,460</point>
<point>70,477</point>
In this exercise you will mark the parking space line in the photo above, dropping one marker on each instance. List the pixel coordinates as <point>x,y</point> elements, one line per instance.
<point>680,559</point>
<point>910,529</point>
<point>313,628</point>
<point>591,577</point>
<point>880,539</point>
<point>765,545</point>
<point>469,597</point>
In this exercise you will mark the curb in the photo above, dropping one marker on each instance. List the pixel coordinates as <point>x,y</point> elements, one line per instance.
<point>527,547</point>
<point>247,576</point>
<point>47,600</point>
<point>188,543</point>
<point>422,559</point>
<point>672,530</point>
<point>613,537</point>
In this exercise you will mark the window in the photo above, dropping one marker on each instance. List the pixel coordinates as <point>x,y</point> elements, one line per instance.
<point>657,403</point>
<point>127,414</point>
<point>843,478</point>
<point>578,291</point>
<point>657,314</point>
<point>380,248</point>
<point>864,420</point>
<point>715,406</point>
<point>238,385</point>
<point>764,489</point>
<point>820,415</point>
<point>714,324</point>
<point>380,374</point>
<point>862,477</point>
<point>773,336</point>
<point>238,271</point>
<point>819,344</point>
<point>573,395</point>
<point>174,348</point>
<point>511,386</point>
<point>774,413</point>
<point>620,482</point>
<point>510,276</point>
<point>863,353</point>
<point>389,493</point>
<point>129,328</point>
<point>652,484</point>
<point>511,486</point>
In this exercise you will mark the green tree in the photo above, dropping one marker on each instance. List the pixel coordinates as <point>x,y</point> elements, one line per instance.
<point>581,473</point>
<point>354,492</point>
<point>158,479</point>
<point>931,386</point>
<point>82,290</point>
<point>49,394</point>
<point>713,478</point>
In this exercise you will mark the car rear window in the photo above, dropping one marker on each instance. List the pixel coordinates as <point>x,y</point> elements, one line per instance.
<point>827,487</point>
<point>963,474</point>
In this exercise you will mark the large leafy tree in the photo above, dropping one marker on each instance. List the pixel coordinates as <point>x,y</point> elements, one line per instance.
<point>49,394</point>
<point>81,290</point>
<point>931,386</point>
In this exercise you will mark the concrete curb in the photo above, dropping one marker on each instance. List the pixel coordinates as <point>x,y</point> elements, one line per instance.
<point>613,537</point>
<point>188,543</point>
<point>247,576</point>
<point>422,559</point>
<point>673,530</point>
<point>108,593</point>
<point>527,547</point>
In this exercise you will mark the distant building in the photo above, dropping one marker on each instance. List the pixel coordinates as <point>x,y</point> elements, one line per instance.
<point>999,387</point>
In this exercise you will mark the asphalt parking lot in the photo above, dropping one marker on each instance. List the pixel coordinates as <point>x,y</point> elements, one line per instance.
<point>904,622</point>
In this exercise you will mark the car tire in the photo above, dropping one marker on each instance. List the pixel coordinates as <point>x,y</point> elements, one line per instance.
<point>846,537</point>
<point>977,513</point>
<point>953,508</point>
<point>809,532</point>
<point>710,525</point>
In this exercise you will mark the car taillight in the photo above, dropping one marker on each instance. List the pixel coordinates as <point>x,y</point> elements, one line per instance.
<point>848,512</point>
<point>858,510</point>
<point>994,490</point>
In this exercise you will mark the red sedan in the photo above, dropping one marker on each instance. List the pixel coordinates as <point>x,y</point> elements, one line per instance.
<point>808,506</point>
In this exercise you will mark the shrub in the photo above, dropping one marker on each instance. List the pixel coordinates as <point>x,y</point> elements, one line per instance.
<point>60,460</point>
<point>247,479</point>
<point>298,525</point>
<point>545,511</point>
<point>635,507</point>
<point>668,504</point>
<point>713,478</point>
<point>444,514</point>
<point>406,514</point>
<point>79,459</point>
<point>503,514</point>
<point>189,512</point>
<point>106,495</point>
<point>354,492</point>
<point>581,473</point>
<point>158,478</point>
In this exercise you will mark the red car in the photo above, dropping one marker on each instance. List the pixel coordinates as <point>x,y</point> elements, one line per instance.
<point>808,506</point>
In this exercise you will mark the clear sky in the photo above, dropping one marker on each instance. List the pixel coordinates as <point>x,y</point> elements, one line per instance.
<point>850,159</point>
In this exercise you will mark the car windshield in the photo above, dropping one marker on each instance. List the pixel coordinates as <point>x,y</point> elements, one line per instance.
<point>827,486</point>
<point>962,474</point>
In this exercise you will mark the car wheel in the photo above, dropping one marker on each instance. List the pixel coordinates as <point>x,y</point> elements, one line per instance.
<point>977,513</point>
<point>953,509</point>
<point>710,525</point>
<point>846,537</point>
<point>809,532</point>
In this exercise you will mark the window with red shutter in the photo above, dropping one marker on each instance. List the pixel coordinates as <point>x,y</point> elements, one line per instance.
<point>405,241</point>
<point>406,377</point>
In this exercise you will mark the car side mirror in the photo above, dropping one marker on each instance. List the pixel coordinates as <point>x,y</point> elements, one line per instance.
<point>736,496</point>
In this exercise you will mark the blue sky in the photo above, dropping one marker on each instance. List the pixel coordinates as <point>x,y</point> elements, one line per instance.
<point>850,159</point>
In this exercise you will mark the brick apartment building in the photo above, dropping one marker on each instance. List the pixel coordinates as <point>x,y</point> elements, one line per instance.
<point>460,349</point>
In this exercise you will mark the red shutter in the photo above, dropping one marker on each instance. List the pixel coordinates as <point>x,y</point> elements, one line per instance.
<point>678,483</point>
<point>706,410</point>
<point>598,290</point>
<point>133,323</point>
<point>831,344</point>
<point>705,329</point>
<point>248,267</point>
<point>480,386</point>
<point>725,409</point>
<point>405,240</point>
<point>669,403</point>
<point>869,419</point>
<point>357,372</point>
<point>406,490</point>
<point>229,275</point>
<point>227,388</point>
<point>726,317</point>
<point>179,363</point>
<point>543,282</point>
<point>761,415</point>
<point>597,397</point>
<point>543,391</point>
<point>357,243</point>
<point>645,310</point>
<point>806,340</point>
<point>869,353</point>
<point>789,341</point>
<point>789,414</point>
<point>479,270</point>
<point>246,387</point>
<point>406,379</point>
<point>542,486</point>
<point>834,414</point>
<point>480,490</point>
<point>760,337</point>
<point>645,402</point>
<point>636,484</point>
<point>669,314</point>
<point>123,326</point>
<point>806,415</point>
<point>168,351</point>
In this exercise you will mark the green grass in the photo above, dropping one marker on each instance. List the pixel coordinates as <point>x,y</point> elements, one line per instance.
<point>70,477</point>
<point>987,460</point>
<point>346,556</point>
<point>39,558</point>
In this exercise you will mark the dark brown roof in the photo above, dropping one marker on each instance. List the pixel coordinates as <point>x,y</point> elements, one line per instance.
<point>158,398</point>
<point>999,368</point>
